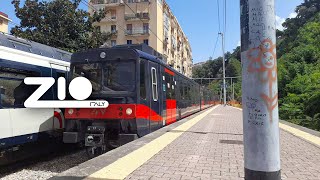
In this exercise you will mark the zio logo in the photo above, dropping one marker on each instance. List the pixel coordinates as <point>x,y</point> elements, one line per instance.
<point>80,89</point>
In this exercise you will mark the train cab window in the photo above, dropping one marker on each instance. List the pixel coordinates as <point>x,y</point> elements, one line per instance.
<point>90,71</point>
<point>143,93</point>
<point>154,84</point>
<point>13,91</point>
<point>119,76</point>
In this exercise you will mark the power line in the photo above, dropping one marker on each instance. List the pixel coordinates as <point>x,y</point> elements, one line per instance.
<point>121,27</point>
<point>215,46</point>
<point>11,22</point>
<point>142,20</point>
<point>218,5</point>
<point>225,16</point>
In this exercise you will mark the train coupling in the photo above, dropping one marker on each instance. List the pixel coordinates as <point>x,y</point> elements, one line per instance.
<point>95,136</point>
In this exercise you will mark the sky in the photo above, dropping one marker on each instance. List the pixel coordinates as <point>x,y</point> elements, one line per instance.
<point>199,21</point>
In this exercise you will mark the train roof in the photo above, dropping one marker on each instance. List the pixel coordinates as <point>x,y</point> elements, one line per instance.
<point>34,47</point>
<point>117,53</point>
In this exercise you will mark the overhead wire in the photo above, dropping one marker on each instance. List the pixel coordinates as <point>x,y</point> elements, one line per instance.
<point>218,5</point>
<point>225,21</point>
<point>219,31</point>
<point>215,46</point>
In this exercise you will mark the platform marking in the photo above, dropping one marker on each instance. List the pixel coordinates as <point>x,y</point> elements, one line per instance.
<point>301,134</point>
<point>304,135</point>
<point>124,166</point>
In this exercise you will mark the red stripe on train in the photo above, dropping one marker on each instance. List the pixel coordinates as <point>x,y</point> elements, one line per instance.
<point>171,111</point>
<point>168,71</point>
<point>58,116</point>
<point>114,111</point>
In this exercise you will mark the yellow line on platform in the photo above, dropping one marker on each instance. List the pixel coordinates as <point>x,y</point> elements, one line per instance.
<point>124,166</point>
<point>304,135</point>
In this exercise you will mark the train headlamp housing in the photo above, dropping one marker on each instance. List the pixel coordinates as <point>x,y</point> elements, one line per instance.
<point>70,111</point>
<point>128,111</point>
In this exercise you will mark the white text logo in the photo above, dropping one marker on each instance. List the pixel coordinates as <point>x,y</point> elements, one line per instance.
<point>80,89</point>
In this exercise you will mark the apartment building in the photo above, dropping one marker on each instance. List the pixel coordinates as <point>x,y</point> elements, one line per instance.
<point>150,22</point>
<point>4,21</point>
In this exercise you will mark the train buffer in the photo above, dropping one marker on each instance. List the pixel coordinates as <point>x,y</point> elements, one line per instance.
<point>207,145</point>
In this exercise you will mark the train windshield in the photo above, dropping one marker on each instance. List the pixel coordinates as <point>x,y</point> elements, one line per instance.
<point>108,76</point>
<point>119,76</point>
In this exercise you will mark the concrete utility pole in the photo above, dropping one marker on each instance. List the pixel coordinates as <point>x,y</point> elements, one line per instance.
<point>260,90</point>
<point>224,71</point>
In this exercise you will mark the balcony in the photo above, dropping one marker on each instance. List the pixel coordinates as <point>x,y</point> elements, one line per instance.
<point>94,2</point>
<point>137,16</point>
<point>137,32</point>
<point>114,33</point>
<point>136,1</point>
<point>166,40</point>
<point>108,3</point>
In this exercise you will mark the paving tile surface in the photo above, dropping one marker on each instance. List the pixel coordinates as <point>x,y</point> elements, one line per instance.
<point>213,149</point>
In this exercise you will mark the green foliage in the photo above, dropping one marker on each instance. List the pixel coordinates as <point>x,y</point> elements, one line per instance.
<point>59,23</point>
<point>213,69</point>
<point>298,51</point>
<point>299,67</point>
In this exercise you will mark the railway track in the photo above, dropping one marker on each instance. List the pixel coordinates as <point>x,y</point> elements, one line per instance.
<point>44,167</point>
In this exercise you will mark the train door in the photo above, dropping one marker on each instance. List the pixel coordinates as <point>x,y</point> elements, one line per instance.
<point>143,122</point>
<point>171,103</point>
<point>154,89</point>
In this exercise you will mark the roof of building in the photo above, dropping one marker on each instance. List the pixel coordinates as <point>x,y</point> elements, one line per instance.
<point>4,16</point>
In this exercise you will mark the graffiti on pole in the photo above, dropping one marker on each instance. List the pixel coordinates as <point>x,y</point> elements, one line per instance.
<point>263,62</point>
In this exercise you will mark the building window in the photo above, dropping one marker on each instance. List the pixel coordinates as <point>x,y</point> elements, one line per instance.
<point>131,1</point>
<point>146,41</point>
<point>113,43</point>
<point>113,14</point>
<point>129,41</point>
<point>154,84</point>
<point>129,28</point>
<point>145,28</point>
<point>113,28</point>
<point>114,1</point>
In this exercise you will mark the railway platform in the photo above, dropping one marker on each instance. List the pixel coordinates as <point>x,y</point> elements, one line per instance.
<point>207,145</point>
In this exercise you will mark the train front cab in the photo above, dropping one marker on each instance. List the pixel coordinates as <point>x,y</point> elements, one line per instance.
<point>160,97</point>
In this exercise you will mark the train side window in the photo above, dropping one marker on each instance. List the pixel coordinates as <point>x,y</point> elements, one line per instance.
<point>13,91</point>
<point>185,91</point>
<point>143,94</point>
<point>173,95</point>
<point>181,90</point>
<point>154,84</point>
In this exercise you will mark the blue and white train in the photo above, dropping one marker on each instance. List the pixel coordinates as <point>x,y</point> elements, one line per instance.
<point>22,127</point>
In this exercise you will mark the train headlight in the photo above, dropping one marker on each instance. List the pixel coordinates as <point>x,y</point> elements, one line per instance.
<point>103,55</point>
<point>129,111</point>
<point>70,111</point>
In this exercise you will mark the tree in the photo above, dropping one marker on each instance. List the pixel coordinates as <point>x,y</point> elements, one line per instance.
<point>59,24</point>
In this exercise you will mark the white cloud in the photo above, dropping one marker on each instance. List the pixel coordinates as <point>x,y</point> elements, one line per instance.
<point>292,15</point>
<point>279,22</point>
<point>239,43</point>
